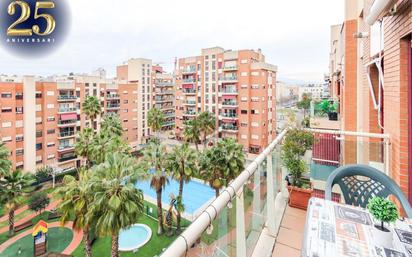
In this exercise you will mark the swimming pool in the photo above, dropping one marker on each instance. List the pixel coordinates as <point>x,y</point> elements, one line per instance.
<point>195,194</point>
<point>134,237</point>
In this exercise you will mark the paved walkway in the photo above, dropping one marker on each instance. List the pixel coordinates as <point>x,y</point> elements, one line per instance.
<point>77,237</point>
<point>51,206</point>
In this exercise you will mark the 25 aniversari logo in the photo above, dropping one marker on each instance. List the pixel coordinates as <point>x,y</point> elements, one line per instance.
<point>33,28</point>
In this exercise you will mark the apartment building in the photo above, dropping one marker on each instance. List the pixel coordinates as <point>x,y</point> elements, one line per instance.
<point>335,62</point>
<point>163,87</point>
<point>316,91</point>
<point>139,71</point>
<point>376,83</point>
<point>40,117</point>
<point>239,87</point>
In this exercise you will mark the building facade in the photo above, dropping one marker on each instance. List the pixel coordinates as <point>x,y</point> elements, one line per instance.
<point>375,82</point>
<point>239,87</point>
<point>164,87</point>
<point>40,117</point>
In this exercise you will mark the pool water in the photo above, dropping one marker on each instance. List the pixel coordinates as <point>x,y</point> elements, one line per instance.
<point>195,194</point>
<point>134,237</point>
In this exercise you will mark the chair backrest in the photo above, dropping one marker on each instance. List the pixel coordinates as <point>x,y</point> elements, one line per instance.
<point>357,191</point>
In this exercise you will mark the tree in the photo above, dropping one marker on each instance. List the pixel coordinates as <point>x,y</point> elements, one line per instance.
<point>153,162</point>
<point>111,124</point>
<point>104,143</point>
<point>43,173</point>
<point>13,185</point>
<point>192,132</point>
<point>118,204</point>
<point>83,145</point>
<point>182,165</point>
<point>155,119</point>
<point>76,199</point>
<point>222,163</point>
<point>92,108</point>
<point>38,202</point>
<point>383,210</point>
<point>305,103</point>
<point>5,163</point>
<point>207,124</point>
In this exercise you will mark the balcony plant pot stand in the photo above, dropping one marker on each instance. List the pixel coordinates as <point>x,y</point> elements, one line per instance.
<point>299,197</point>
<point>333,116</point>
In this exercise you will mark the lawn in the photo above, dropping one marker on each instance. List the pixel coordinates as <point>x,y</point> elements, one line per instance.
<point>58,240</point>
<point>102,246</point>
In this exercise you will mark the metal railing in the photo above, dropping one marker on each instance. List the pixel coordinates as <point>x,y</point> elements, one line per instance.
<point>66,97</point>
<point>232,224</point>
<point>67,109</point>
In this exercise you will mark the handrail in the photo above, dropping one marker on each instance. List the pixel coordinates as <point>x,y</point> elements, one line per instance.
<point>185,240</point>
<point>349,133</point>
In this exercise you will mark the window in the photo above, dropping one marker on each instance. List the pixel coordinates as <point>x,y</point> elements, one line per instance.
<point>39,133</point>
<point>51,131</point>
<point>125,101</point>
<point>243,124</point>
<point>39,94</point>
<point>51,144</point>
<point>19,110</point>
<point>19,138</point>
<point>49,93</point>
<point>19,152</point>
<point>254,111</point>
<point>19,96</point>
<point>39,146</point>
<point>243,111</point>
<point>6,95</point>
<point>243,99</point>
<point>6,139</point>
<point>6,124</point>
<point>50,106</point>
<point>19,124</point>
<point>6,109</point>
<point>254,124</point>
<point>51,118</point>
<point>254,99</point>
<point>255,86</point>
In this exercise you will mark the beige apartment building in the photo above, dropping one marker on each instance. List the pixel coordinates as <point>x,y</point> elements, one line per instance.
<point>40,117</point>
<point>239,87</point>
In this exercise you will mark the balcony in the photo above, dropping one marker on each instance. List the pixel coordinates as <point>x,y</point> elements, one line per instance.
<point>113,96</point>
<point>229,116</point>
<point>188,81</point>
<point>229,91</point>
<point>228,79</point>
<point>258,197</point>
<point>67,158</point>
<point>229,128</point>
<point>113,107</point>
<point>66,110</point>
<point>164,99</point>
<point>189,114</point>
<point>190,103</point>
<point>66,123</point>
<point>66,98</point>
<point>65,148</point>
<point>229,104</point>
<point>189,71</point>
<point>165,92</point>
<point>164,84</point>
<point>66,134</point>
<point>189,91</point>
<point>230,68</point>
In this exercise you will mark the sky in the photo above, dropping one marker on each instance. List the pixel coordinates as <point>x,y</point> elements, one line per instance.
<point>293,34</point>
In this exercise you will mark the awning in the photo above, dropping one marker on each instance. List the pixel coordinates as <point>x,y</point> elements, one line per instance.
<point>188,86</point>
<point>68,116</point>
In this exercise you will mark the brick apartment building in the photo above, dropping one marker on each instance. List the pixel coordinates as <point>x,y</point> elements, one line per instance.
<point>163,87</point>
<point>372,76</point>
<point>40,117</point>
<point>237,86</point>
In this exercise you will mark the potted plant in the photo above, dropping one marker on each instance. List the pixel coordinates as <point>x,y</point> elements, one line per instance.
<point>295,144</point>
<point>329,108</point>
<point>383,211</point>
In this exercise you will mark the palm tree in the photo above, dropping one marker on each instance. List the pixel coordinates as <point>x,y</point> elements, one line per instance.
<point>154,162</point>
<point>76,199</point>
<point>182,164</point>
<point>207,124</point>
<point>118,204</point>
<point>92,108</point>
<point>104,143</point>
<point>192,132</point>
<point>13,185</point>
<point>155,119</point>
<point>5,163</point>
<point>111,124</point>
<point>222,163</point>
<point>83,145</point>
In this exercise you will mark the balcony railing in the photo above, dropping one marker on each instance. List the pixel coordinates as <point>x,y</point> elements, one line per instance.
<point>112,96</point>
<point>188,71</point>
<point>229,127</point>
<point>66,98</point>
<point>229,115</point>
<point>68,158</point>
<point>230,68</point>
<point>67,109</point>
<point>63,123</point>
<point>66,147</point>
<point>66,134</point>
<point>229,103</point>
<point>188,81</point>
<point>229,91</point>
<point>189,102</point>
<point>255,201</point>
<point>229,79</point>
<point>165,92</point>
<point>189,113</point>
<point>189,91</point>
<point>113,106</point>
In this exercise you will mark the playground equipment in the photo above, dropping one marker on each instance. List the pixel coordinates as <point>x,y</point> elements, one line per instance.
<point>40,238</point>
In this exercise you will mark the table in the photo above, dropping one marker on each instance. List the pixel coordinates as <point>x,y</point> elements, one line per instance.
<point>334,229</point>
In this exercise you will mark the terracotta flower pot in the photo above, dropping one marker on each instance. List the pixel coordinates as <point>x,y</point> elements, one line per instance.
<point>299,197</point>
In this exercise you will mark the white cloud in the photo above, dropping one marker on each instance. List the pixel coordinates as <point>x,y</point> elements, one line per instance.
<point>292,34</point>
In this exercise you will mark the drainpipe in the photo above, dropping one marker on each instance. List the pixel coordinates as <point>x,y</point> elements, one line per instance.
<point>378,9</point>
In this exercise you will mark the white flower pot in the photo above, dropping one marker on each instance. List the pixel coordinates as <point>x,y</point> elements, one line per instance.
<point>382,238</point>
